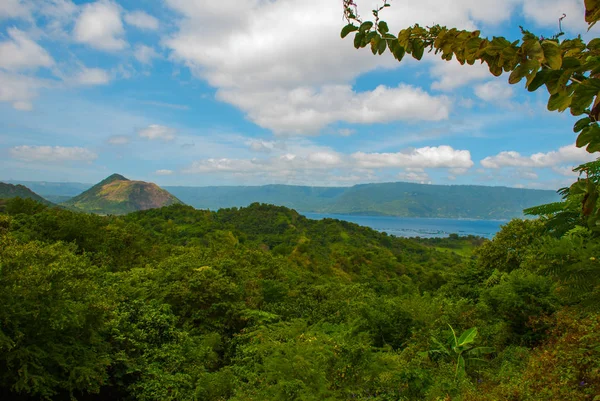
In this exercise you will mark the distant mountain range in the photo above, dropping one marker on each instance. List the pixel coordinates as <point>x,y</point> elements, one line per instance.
<point>391,199</point>
<point>8,191</point>
<point>118,195</point>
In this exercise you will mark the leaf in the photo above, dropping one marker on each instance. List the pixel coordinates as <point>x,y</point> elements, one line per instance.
<point>358,39</point>
<point>398,52</point>
<point>460,366</point>
<point>383,27</point>
<point>365,26</point>
<point>382,46</point>
<point>581,124</point>
<point>418,49</point>
<point>584,94</point>
<point>467,336</point>
<point>348,29</point>
<point>552,54</point>
<point>559,101</point>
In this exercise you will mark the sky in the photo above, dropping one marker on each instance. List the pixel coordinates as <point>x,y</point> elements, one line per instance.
<point>252,92</point>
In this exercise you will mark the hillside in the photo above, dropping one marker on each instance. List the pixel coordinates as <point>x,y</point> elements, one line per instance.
<point>391,199</point>
<point>118,195</point>
<point>8,191</point>
<point>55,192</point>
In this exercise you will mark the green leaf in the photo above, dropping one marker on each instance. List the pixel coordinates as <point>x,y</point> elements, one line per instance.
<point>382,46</point>
<point>398,52</point>
<point>559,101</point>
<point>467,336</point>
<point>581,124</point>
<point>418,49</point>
<point>383,27</point>
<point>584,95</point>
<point>347,29</point>
<point>365,26</point>
<point>518,74</point>
<point>358,39</point>
<point>552,54</point>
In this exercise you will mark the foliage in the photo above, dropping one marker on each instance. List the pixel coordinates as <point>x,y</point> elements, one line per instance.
<point>568,68</point>
<point>261,303</point>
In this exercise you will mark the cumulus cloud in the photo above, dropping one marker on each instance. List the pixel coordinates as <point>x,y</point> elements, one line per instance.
<point>426,157</point>
<point>145,54</point>
<point>305,110</point>
<point>494,91</point>
<point>163,172</point>
<point>569,154</point>
<point>158,132</point>
<point>99,25</point>
<point>316,161</point>
<point>449,75</point>
<point>118,140</point>
<point>258,63</point>
<point>52,154</point>
<point>141,20</point>
<point>20,52</point>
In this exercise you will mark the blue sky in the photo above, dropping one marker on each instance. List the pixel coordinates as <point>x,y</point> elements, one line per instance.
<point>184,92</point>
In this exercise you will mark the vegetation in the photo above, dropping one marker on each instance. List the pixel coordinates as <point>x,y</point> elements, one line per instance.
<point>8,191</point>
<point>118,195</point>
<point>261,303</point>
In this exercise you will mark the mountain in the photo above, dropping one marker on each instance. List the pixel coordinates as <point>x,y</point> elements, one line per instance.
<point>8,191</point>
<point>391,199</point>
<point>118,195</point>
<point>55,192</point>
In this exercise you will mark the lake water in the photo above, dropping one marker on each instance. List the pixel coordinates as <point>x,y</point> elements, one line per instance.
<point>419,227</point>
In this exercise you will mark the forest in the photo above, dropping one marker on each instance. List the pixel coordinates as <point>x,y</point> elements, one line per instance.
<point>261,303</point>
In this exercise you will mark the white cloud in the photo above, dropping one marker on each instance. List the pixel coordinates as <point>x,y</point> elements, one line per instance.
<point>249,52</point>
<point>302,164</point>
<point>569,154</point>
<point>426,157</point>
<point>20,90</point>
<point>415,174</point>
<point>494,91</point>
<point>163,172</point>
<point>450,75</point>
<point>13,9</point>
<point>52,154</point>
<point>145,54</point>
<point>99,25</point>
<point>118,140</point>
<point>90,77</point>
<point>141,20</point>
<point>155,131</point>
<point>547,13</point>
<point>20,52</point>
<point>304,110</point>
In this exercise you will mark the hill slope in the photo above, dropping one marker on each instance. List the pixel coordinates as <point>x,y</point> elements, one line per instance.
<point>8,191</point>
<point>392,199</point>
<point>118,195</point>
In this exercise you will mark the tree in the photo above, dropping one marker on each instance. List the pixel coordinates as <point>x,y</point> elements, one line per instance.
<point>569,68</point>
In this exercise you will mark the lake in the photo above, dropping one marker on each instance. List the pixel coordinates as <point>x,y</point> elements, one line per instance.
<point>419,227</point>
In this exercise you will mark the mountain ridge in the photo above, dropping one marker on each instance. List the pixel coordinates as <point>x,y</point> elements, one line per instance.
<point>119,195</point>
<point>8,191</point>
